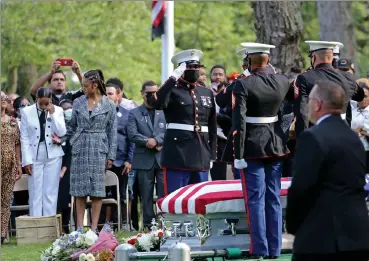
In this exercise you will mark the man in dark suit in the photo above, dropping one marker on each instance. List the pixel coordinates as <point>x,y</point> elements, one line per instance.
<point>326,208</point>
<point>122,165</point>
<point>146,128</point>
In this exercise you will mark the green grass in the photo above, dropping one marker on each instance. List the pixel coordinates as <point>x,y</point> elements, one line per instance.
<point>32,252</point>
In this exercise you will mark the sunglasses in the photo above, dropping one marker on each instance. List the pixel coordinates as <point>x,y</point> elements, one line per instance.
<point>193,66</point>
<point>5,98</point>
<point>24,105</point>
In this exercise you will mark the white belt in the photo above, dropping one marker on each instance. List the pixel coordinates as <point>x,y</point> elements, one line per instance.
<point>261,119</point>
<point>187,127</point>
<point>343,116</point>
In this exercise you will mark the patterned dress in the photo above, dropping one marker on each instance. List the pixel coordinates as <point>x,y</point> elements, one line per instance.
<point>93,137</point>
<point>9,139</point>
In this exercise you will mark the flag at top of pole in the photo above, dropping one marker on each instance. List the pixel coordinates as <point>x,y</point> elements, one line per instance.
<point>163,25</point>
<point>157,18</point>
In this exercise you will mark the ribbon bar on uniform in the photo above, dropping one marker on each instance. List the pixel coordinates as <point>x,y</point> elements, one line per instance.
<point>187,127</point>
<point>261,119</point>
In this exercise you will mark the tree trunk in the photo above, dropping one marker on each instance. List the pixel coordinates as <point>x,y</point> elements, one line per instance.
<point>280,24</point>
<point>27,76</point>
<point>12,78</point>
<point>336,24</point>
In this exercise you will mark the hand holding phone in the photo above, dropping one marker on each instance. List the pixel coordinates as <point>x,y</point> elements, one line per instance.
<point>65,61</point>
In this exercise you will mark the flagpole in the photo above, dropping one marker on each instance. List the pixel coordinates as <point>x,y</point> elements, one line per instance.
<point>167,42</point>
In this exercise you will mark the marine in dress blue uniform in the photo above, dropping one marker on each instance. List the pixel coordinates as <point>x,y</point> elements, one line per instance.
<point>259,148</point>
<point>189,145</point>
<point>224,101</point>
<point>322,71</point>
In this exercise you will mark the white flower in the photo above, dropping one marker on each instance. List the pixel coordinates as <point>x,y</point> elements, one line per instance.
<point>90,238</point>
<point>56,250</point>
<point>74,233</point>
<point>56,242</point>
<point>145,241</point>
<point>80,241</point>
<point>90,257</point>
<point>82,257</point>
<point>168,233</point>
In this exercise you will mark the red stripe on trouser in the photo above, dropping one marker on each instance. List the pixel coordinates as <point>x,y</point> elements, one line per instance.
<point>245,195</point>
<point>165,181</point>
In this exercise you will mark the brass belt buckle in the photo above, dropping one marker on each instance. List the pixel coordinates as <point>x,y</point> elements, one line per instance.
<point>197,128</point>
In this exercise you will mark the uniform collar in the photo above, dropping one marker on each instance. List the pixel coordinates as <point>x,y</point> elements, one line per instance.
<point>324,66</point>
<point>263,70</point>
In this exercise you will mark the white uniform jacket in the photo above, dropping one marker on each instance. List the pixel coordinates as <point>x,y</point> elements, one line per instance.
<point>30,133</point>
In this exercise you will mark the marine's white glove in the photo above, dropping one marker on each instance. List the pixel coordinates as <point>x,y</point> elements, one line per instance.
<point>240,164</point>
<point>211,164</point>
<point>246,72</point>
<point>177,73</point>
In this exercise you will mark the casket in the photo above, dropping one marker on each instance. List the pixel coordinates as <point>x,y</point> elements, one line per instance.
<point>210,215</point>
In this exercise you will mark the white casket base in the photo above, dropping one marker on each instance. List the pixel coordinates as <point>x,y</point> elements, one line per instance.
<point>212,228</point>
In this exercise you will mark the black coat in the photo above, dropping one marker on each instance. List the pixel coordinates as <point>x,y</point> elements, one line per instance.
<point>326,209</point>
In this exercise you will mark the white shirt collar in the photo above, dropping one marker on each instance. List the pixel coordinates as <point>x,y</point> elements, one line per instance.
<point>322,118</point>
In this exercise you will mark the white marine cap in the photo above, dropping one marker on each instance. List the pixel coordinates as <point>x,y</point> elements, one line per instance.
<point>336,49</point>
<point>242,52</point>
<point>320,45</point>
<point>191,55</point>
<point>257,48</point>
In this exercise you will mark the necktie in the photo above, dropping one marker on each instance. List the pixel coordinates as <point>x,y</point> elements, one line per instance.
<point>42,125</point>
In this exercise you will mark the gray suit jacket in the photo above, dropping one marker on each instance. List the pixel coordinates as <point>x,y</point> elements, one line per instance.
<point>140,129</point>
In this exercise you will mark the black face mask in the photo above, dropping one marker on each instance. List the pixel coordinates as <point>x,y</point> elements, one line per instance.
<point>335,63</point>
<point>149,94</point>
<point>191,75</point>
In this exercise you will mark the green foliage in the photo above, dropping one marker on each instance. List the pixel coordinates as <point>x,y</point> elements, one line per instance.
<point>116,36</point>
<point>360,11</point>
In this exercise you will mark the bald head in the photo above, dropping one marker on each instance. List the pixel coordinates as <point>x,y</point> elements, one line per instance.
<point>259,60</point>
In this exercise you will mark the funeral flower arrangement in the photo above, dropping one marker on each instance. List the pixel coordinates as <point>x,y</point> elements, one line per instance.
<point>149,241</point>
<point>82,246</point>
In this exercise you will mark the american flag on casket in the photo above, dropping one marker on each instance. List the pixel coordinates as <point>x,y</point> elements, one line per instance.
<point>209,197</point>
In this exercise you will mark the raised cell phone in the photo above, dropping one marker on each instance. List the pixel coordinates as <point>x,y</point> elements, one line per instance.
<point>65,61</point>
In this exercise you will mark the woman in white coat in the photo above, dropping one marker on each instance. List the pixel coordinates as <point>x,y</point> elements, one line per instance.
<point>41,156</point>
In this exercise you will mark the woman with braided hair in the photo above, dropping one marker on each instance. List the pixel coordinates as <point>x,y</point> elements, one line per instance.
<point>93,137</point>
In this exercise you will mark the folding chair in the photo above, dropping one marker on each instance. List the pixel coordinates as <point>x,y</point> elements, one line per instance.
<point>111,179</point>
<point>20,185</point>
